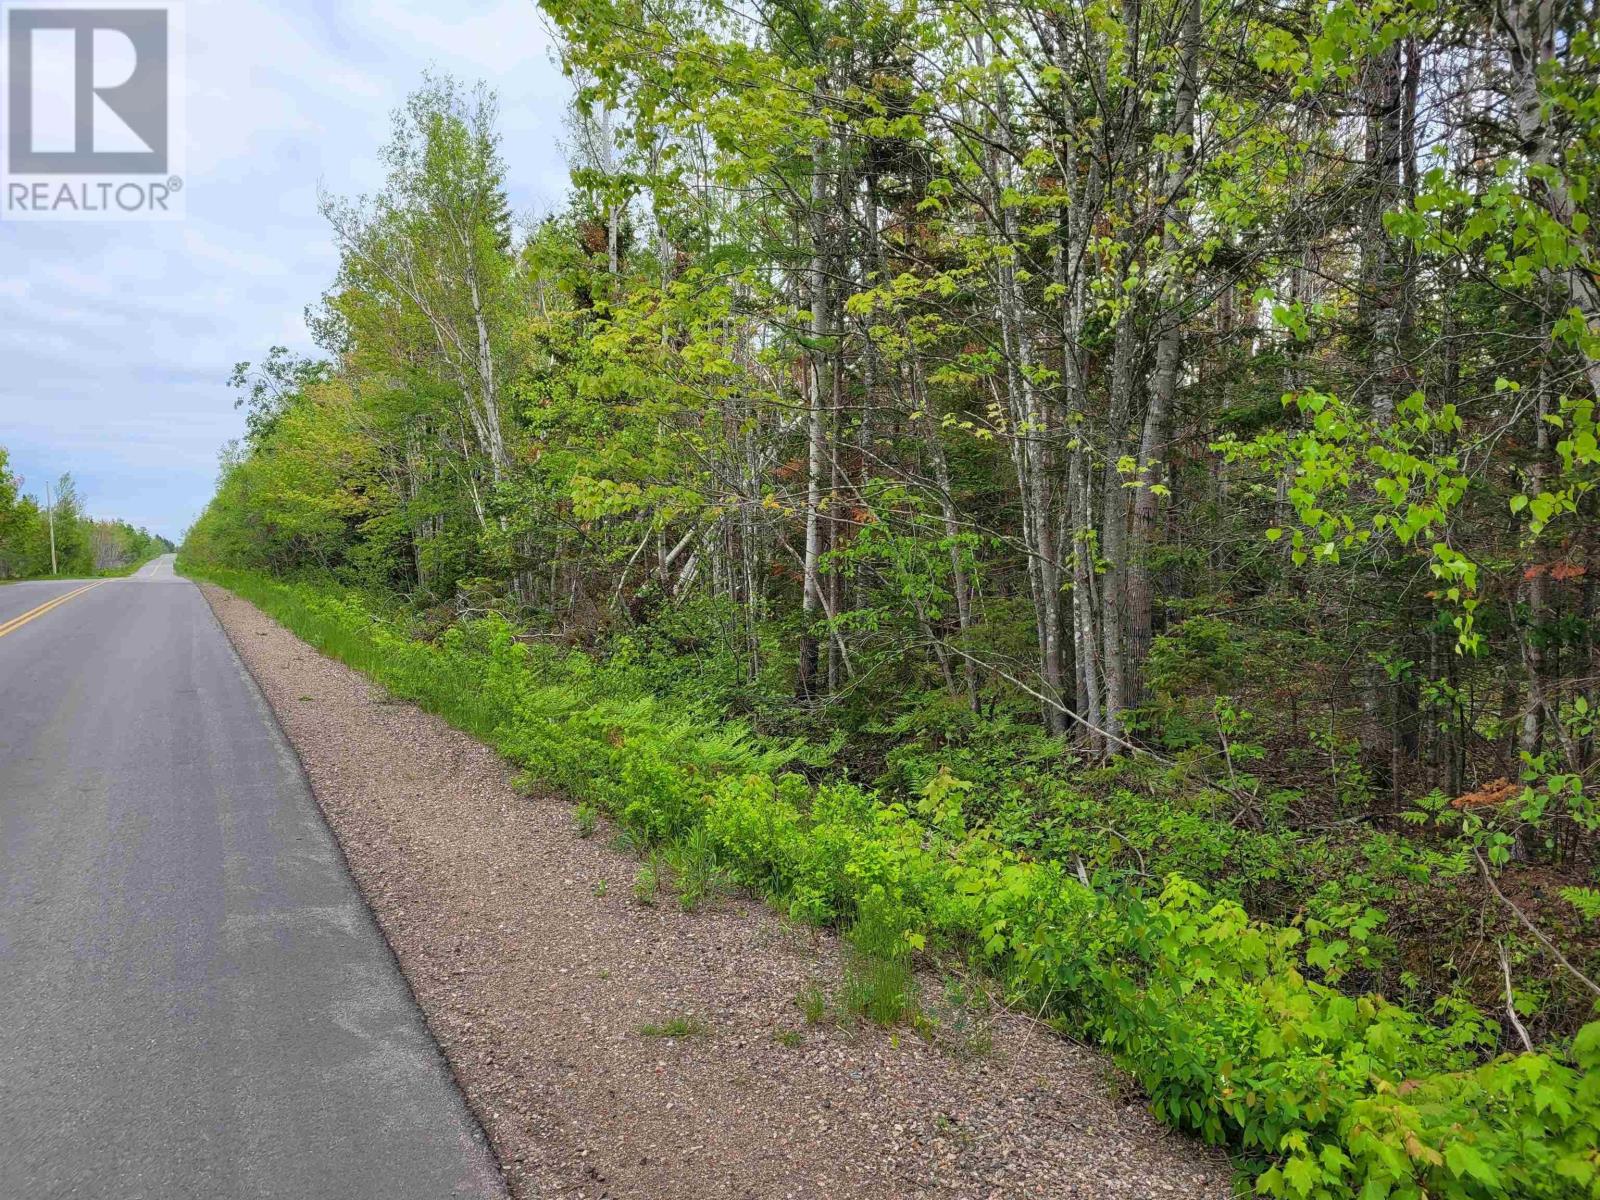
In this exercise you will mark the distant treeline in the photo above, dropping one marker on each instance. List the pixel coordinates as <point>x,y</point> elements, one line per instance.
<point>83,545</point>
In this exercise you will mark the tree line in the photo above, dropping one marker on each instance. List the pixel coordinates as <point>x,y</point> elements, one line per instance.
<point>56,536</point>
<point>1201,384</point>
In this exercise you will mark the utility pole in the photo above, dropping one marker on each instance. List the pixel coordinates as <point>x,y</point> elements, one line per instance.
<point>50,508</point>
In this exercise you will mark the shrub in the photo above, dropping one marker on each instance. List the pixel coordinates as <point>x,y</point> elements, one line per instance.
<point>1218,1015</point>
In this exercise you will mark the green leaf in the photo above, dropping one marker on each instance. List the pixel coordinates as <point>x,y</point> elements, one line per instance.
<point>1463,1160</point>
<point>1301,1174</point>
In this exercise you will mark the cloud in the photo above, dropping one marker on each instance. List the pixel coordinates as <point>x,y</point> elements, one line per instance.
<point>117,339</point>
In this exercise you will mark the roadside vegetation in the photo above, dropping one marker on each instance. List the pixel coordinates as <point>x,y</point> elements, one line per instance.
<point>84,546</point>
<point>1100,495</point>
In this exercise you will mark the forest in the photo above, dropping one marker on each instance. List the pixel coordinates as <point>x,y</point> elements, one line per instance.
<point>1098,491</point>
<point>32,531</point>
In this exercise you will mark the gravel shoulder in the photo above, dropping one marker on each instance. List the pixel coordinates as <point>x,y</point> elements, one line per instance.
<point>537,972</point>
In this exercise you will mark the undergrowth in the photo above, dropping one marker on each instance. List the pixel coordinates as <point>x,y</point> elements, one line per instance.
<point>1232,1025</point>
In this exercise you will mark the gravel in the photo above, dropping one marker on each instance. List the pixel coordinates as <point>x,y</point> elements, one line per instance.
<point>537,971</point>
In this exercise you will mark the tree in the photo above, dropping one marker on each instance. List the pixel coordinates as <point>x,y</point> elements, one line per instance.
<point>433,251</point>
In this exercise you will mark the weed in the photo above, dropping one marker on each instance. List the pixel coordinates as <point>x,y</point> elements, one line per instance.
<point>963,994</point>
<point>1120,1090</point>
<point>600,887</point>
<point>975,1041</point>
<point>646,882</point>
<point>584,819</point>
<point>790,1039</point>
<point>879,981</point>
<point>813,1002</point>
<point>698,877</point>
<point>971,1032</point>
<point>951,1129</point>
<point>685,1025</point>
<point>881,989</point>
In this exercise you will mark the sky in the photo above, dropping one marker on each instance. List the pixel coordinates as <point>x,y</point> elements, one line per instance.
<point>117,338</point>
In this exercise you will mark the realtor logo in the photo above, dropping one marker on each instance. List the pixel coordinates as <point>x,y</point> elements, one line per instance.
<point>91,99</point>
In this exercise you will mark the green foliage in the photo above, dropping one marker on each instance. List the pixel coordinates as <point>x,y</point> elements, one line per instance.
<point>1200,653</point>
<point>697,876</point>
<point>1218,1015</point>
<point>1585,900</point>
<point>779,496</point>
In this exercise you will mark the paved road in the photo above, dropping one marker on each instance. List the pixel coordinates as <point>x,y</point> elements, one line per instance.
<point>194,1001</point>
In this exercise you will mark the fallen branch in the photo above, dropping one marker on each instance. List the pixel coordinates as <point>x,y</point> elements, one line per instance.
<point>1229,789</point>
<point>1532,928</point>
<point>1511,1004</point>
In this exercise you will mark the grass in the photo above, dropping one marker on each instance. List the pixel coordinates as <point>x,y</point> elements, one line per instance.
<point>697,877</point>
<point>813,1004</point>
<point>880,982</point>
<point>684,1025</point>
<point>883,990</point>
<point>646,883</point>
<point>450,686</point>
<point>124,572</point>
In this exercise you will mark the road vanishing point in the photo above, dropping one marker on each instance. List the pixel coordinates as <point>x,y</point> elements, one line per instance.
<point>194,998</point>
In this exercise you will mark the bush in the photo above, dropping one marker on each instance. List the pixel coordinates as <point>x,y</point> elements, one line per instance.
<point>1217,1014</point>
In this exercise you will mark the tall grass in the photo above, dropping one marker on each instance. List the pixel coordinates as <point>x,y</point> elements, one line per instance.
<point>449,685</point>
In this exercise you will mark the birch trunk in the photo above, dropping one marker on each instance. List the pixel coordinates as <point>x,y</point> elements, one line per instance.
<point>1164,383</point>
<point>816,429</point>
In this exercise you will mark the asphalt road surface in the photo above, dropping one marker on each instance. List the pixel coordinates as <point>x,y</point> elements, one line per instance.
<point>194,1000</point>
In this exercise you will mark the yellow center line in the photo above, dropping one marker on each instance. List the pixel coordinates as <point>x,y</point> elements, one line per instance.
<point>16,623</point>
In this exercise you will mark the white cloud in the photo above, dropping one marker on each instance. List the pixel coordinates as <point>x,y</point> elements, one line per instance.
<point>117,339</point>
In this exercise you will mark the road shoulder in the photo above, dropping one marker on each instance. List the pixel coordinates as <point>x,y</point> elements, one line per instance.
<point>614,1049</point>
